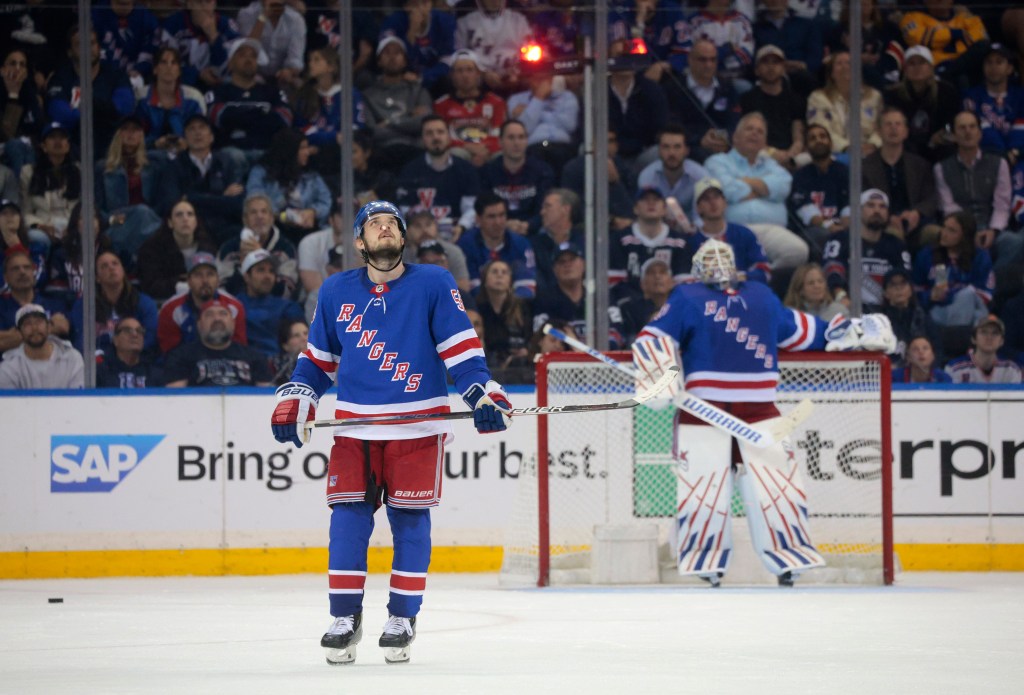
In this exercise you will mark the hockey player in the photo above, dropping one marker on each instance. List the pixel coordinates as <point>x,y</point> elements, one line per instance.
<point>385,334</point>
<point>729,333</point>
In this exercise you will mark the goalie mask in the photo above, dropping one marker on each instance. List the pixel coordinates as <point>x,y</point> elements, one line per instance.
<point>715,264</point>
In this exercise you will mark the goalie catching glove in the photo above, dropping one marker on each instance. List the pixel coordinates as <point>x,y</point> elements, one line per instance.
<point>296,405</point>
<point>872,332</point>
<point>491,407</point>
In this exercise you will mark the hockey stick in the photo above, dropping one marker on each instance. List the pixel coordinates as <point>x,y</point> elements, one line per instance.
<point>660,385</point>
<point>699,408</point>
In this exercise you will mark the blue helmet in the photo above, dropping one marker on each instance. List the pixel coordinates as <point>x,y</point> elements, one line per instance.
<point>377,207</point>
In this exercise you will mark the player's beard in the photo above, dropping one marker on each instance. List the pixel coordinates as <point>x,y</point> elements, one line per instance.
<point>384,256</point>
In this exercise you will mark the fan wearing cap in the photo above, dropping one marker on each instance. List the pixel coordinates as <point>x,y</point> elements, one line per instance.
<point>983,364</point>
<point>398,99</point>
<point>19,277</point>
<point>709,200</point>
<point>112,94</point>
<point>905,313</point>
<point>428,35</point>
<point>797,38</point>
<point>999,103</point>
<point>495,34</point>
<point>42,361</point>
<point>437,181</point>
<point>52,185</point>
<point>263,311</point>
<point>386,336</point>
<point>258,232</point>
<point>491,240</point>
<point>880,252</point>
<point>168,104</point>
<point>280,30</point>
<point>214,359</point>
<point>649,236</point>
<point>245,111</point>
<point>202,36</point>
<point>655,286</point>
<point>783,109</point>
<point>474,115</point>
<point>176,323</point>
<point>928,102</point>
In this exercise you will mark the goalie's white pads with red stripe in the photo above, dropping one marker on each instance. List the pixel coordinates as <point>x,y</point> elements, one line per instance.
<point>772,490</point>
<point>703,542</point>
<point>872,332</point>
<point>652,357</point>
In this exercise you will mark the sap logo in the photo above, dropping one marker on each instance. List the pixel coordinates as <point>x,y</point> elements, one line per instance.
<point>96,463</point>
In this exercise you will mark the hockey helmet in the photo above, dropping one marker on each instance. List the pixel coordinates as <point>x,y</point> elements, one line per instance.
<point>372,209</point>
<point>714,263</point>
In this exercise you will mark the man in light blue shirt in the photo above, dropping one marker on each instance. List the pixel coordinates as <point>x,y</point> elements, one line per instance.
<point>674,174</point>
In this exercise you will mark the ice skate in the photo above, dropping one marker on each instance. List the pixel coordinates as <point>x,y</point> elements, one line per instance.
<point>399,633</point>
<point>715,580</point>
<point>341,639</point>
<point>787,579</point>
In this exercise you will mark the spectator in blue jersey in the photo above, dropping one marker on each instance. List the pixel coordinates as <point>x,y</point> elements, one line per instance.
<point>905,314</point>
<point>983,364</point>
<point>263,311</point>
<point>621,183</point>
<point>212,179</point>
<point>729,30</point>
<point>19,282</point>
<point>550,113</point>
<point>798,37</point>
<point>111,94</point>
<point>167,105</point>
<point>921,365</point>
<point>322,30</point>
<point>318,110</point>
<point>215,359</point>
<point>429,35</point>
<point>202,36</point>
<point>664,29</point>
<point>637,111</point>
<point>655,286</point>
<point>21,108</point>
<point>116,298</point>
<point>673,173</point>
<point>438,181</point>
<point>712,207</point>
<point>126,364</point>
<point>129,36</point>
<point>300,197</point>
<point>808,292</point>
<point>14,236</point>
<point>756,188</point>
<point>706,108</point>
<point>954,278</point>
<point>128,190</point>
<point>880,252</point>
<point>245,111</point>
<point>519,178</point>
<point>281,30</point>
<point>396,103</point>
<point>648,237</point>
<point>820,196</point>
<point>507,317</point>
<point>783,109</point>
<point>558,230</point>
<point>492,240</point>
<point>258,232</point>
<point>999,104</point>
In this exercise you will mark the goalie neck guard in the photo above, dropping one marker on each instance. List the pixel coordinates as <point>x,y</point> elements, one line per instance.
<point>714,264</point>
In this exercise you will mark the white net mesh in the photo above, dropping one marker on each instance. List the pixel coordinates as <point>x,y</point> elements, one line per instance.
<point>615,468</point>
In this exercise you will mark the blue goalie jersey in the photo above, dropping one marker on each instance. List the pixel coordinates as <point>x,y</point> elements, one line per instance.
<point>387,346</point>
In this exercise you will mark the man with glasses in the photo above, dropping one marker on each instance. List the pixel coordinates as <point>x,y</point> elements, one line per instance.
<point>125,365</point>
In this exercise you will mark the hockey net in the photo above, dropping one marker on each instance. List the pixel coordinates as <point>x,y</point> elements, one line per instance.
<point>615,469</point>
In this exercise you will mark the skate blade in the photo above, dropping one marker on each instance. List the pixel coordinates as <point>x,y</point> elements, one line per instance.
<point>341,657</point>
<point>397,655</point>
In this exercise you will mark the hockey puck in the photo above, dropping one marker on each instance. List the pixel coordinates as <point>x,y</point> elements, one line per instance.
<point>55,600</point>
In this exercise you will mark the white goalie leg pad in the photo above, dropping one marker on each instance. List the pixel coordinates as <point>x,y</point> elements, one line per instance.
<point>772,490</point>
<point>703,500</point>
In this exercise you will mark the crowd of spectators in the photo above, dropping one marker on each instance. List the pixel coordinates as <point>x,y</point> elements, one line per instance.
<point>218,135</point>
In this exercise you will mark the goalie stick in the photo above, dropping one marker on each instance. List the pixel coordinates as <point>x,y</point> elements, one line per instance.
<point>660,385</point>
<point>778,428</point>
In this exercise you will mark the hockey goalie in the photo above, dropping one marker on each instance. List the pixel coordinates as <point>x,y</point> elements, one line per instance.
<point>728,334</point>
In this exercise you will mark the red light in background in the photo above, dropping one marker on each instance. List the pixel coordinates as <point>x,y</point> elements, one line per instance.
<point>532,53</point>
<point>636,47</point>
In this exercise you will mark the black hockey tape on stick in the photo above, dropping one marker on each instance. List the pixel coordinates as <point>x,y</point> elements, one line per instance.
<point>660,385</point>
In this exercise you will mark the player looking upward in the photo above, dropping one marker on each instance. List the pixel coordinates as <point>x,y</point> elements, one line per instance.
<point>729,334</point>
<point>385,334</point>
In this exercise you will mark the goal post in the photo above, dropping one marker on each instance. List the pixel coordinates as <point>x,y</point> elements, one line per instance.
<point>616,469</point>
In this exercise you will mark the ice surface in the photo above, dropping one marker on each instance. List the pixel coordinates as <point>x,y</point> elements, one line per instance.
<point>931,633</point>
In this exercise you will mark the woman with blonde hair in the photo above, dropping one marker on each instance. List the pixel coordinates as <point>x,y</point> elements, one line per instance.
<point>128,190</point>
<point>829,107</point>
<point>808,291</point>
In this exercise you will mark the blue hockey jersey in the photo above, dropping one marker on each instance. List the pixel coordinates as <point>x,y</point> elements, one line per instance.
<point>397,340</point>
<point>729,340</point>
